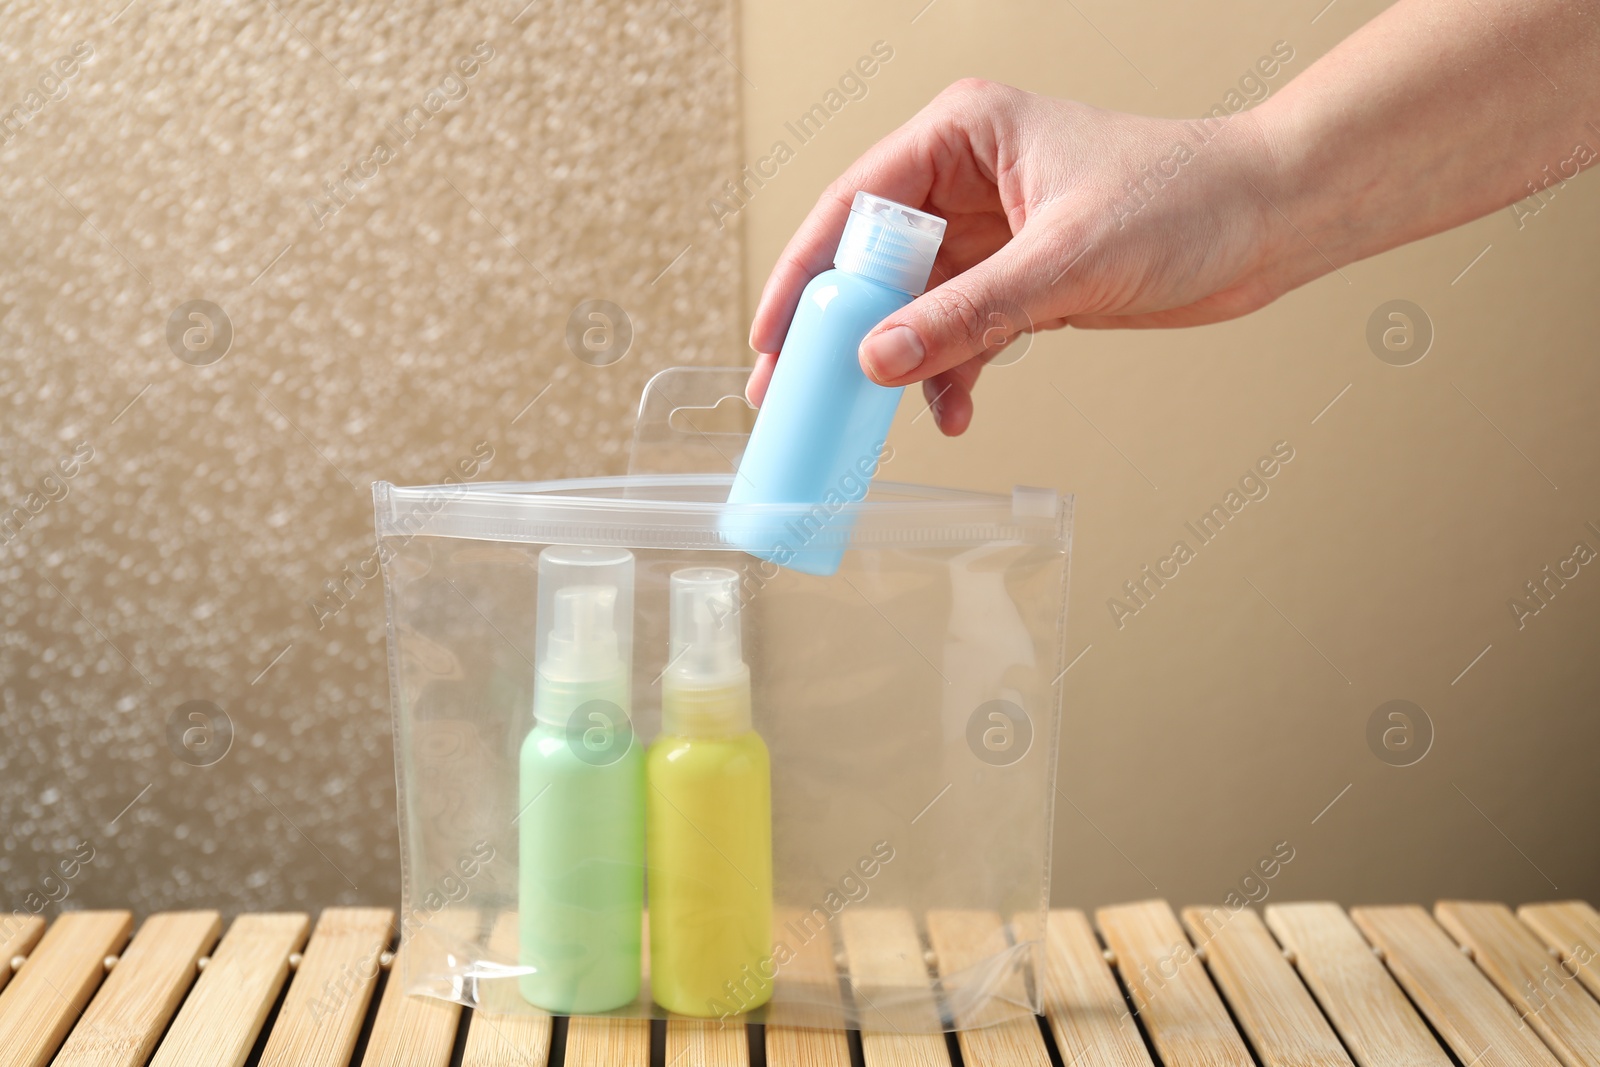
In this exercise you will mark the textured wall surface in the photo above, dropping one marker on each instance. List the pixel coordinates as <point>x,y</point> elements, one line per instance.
<point>1232,712</point>
<point>396,207</point>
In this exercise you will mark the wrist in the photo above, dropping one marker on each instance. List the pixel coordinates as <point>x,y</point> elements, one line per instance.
<point>1309,231</point>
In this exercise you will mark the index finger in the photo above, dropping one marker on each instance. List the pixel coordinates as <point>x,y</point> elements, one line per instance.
<point>897,168</point>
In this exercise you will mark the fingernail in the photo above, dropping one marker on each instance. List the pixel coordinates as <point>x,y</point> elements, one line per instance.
<point>893,353</point>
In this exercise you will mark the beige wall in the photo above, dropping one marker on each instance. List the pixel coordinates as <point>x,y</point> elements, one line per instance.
<point>1225,717</point>
<point>409,332</point>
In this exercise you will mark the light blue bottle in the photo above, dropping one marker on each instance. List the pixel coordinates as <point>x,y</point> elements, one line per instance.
<point>821,429</point>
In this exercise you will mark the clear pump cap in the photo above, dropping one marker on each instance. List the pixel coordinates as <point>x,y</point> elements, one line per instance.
<point>705,646</point>
<point>585,614</point>
<point>889,243</point>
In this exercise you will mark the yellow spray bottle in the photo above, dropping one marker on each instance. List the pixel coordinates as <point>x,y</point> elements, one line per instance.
<point>708,813</point>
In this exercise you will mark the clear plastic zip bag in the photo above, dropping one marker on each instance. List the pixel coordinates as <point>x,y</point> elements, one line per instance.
<point>642,773</point>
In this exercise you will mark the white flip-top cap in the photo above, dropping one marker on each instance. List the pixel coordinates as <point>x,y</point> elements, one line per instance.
<point>889,243</point>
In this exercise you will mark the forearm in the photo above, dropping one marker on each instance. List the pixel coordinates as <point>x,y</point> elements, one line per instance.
<point>1434,113</point>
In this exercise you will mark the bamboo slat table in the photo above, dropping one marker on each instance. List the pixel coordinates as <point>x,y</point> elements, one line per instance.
<point>1138,985</point>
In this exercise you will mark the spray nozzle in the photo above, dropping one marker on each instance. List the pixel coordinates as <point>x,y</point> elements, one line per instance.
<point>583,638</point>
<point>585,629</point>
<point>705,644</point>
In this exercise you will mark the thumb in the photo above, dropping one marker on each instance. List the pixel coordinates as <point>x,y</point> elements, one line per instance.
<point>974,312</point>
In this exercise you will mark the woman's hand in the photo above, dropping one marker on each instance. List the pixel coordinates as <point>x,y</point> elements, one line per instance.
<point>1059,214</point>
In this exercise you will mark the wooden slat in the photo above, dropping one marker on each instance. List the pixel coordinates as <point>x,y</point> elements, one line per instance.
<point>1283,1023</point>
<point>137,1000</point>
<point>221,1017</point>
<point>327,1001</point>
<point>1377,1023</point>
<point>43,1001</point>
<point>1463,1006</point>
<point>18,935</point>
<point>607,1042</point>
<point>707,1043</point>
<point>505,1030</point>
<point>1086,1010</point>
<point>794,1046</point>
<point>894,998</point>
<point>1572,928</point>
<point>507,1040</point>
<point>410,1031</point>
<point>1002,1028</point>
<point>1181,1010</point>
<point>805,1022</point>
<point>614,1042</point>
<point>1516,961</point>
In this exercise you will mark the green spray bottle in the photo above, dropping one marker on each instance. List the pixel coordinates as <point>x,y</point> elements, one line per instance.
<point>708,813</point>
<point>581,804</point>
